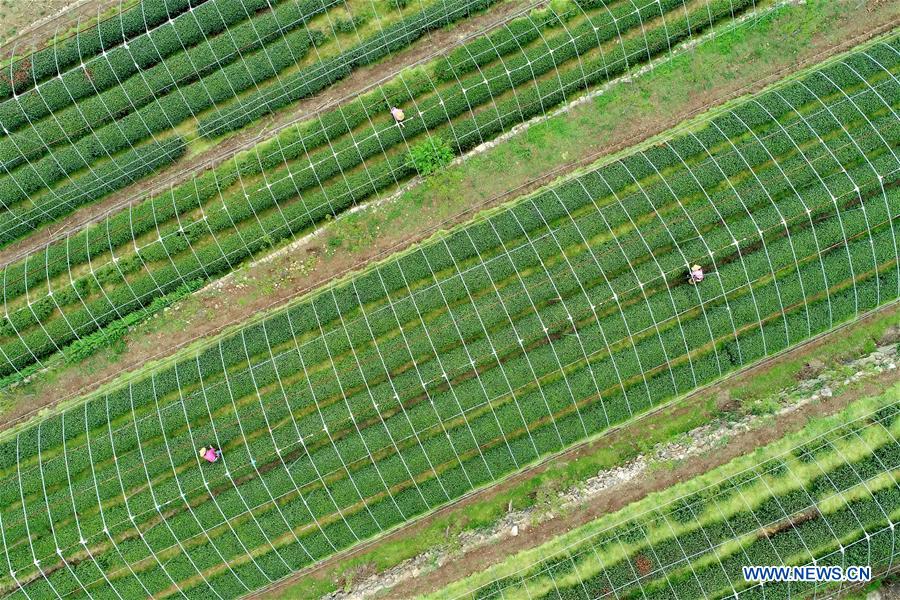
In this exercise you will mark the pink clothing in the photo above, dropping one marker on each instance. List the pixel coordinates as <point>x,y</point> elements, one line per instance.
<point>397,114</point>
<point>211,455</point>
<point>696,275</point>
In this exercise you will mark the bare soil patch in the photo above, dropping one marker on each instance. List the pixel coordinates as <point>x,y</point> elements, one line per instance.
<point>28,25</point>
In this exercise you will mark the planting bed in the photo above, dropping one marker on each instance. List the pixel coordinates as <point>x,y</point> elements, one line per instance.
<point>469,356</point>
<point>208,225</point>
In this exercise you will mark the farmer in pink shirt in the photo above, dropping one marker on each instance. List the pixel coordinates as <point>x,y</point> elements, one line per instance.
<point>210,454</point>
<point>398,115</point>
<point>696,275</point>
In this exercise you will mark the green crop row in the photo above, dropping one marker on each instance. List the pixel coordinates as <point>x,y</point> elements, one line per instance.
<point>169,425</point>
<point>317,77</point>
<point>21,74</point>
<point>834,505</point>
<point>288,145</point>
<point>103,179</point>
<point>471,355</point>
<point>162,115</point>
<point>260,226</point>
<point>20,319</point>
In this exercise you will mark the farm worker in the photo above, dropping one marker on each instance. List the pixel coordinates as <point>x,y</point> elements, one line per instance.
<point>696,275</point>
<point>210,454</point>
<point>398,115</point>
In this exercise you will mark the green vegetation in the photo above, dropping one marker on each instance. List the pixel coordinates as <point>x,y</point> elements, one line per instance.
<point>431,155</point>
<point>638,437</point>
<point>207,226</point>
<point>130,166</point>
<point>308,81</point>
<point>176,53</point>
<point>728,58</point>
<point>451,365</point>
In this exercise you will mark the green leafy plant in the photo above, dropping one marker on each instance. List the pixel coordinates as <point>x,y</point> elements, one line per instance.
<point>431,155</point>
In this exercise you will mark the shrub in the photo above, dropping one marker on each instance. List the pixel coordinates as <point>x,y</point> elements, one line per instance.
<point>349,25</point>
<point>431,155</point>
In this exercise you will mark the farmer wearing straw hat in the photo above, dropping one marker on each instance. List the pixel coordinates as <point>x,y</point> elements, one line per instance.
<point>398,115</point>
<point>696,275</point>
<point>210,454</point>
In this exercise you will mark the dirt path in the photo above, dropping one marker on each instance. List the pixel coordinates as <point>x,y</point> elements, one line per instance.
<point>28,25</point>
<point>613,499</point>
<point>426,49</point>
